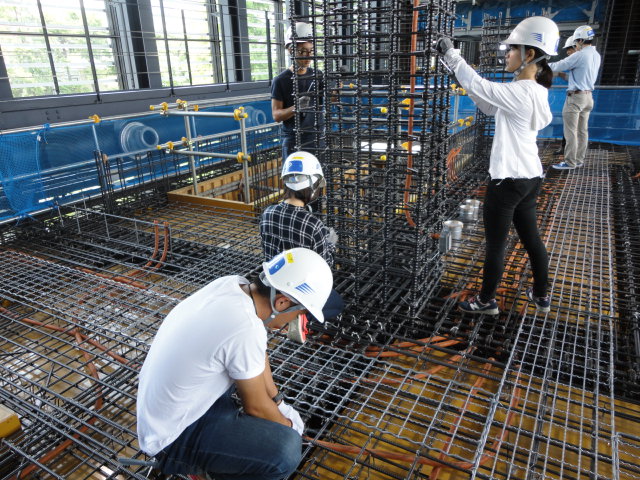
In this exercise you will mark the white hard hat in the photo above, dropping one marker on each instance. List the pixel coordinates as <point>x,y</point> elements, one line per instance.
<point>303,34</point>
<point>302,275</point>
<point>302,170</point>
<point>584,32</point>
<point>539,32</point>
<point>569,42</point>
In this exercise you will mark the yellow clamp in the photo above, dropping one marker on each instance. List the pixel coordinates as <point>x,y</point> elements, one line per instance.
<point>454,86</point>
<point>460,122</point>
<point>164,106</point>
<point>241,157</point>
<point>182,104</point>
<point>384,109</point>
<point>185,142</point>
<point>168,146</point>
<point>239,113</point>
<point>95,118</point>
<point>383,158</point>
<point>196,108</point>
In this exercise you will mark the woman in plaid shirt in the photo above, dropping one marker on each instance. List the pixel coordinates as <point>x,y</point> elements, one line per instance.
<point>291,224</point>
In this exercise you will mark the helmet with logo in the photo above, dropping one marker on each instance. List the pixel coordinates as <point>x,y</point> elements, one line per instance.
<point>304,33</point>
<point>569,43</point>
<point>584,32</point>
<point>302,170</point>
<point>539,32</point>
<point>303,276</point>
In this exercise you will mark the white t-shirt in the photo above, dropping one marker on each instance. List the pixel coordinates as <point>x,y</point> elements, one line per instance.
<point>521,109</point>
<point>205,343</point>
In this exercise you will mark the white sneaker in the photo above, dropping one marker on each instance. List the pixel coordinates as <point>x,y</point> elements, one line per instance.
<point>298,329</point>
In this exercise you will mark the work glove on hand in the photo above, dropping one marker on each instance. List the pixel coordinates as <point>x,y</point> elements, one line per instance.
<point>304,104</point>
<point>332,238</point>
<point>444,45</point>
<point>296,421</point>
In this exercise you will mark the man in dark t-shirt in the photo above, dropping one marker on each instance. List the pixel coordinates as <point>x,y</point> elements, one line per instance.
<point>309,91</point>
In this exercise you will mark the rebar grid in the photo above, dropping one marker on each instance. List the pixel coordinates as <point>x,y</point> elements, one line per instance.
<point>72,344</point>
<point>395,419</point>
<point>567,426</point>
<point>394,395</point>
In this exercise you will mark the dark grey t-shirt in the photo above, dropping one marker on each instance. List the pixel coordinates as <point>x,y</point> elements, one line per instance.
<point>282,90</point>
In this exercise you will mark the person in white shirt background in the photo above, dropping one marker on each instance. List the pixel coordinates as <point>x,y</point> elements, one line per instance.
<point>582,67</point>
<point>212,345</point>
<point>570,49</point>
<point>521,108</point>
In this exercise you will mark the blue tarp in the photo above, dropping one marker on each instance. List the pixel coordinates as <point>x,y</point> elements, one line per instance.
<point>615,117</point>
<point>47,165</point>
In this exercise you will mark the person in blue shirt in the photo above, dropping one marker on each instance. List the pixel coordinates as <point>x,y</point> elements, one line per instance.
<point>582,68</point>
<point>570,49</point>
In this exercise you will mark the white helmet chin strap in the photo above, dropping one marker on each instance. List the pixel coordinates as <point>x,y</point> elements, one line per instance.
<point>525,64</point>
<point>272,298</point>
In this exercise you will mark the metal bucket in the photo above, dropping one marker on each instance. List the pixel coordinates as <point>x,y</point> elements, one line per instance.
<point>475,204</point>
<point>466,213</point>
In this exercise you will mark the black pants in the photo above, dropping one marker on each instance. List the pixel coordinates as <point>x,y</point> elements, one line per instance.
<point>512,200</point>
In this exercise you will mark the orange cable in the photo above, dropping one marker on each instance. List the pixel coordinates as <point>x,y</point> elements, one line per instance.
<point>54,452</point>
<point>477,384</point>
<point>420,459</point>
<point>412,89</point>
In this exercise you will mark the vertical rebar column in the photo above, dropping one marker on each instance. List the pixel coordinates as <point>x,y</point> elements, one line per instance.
<point>192,158</point>
<point>387,131</point>
<point>245,160</point>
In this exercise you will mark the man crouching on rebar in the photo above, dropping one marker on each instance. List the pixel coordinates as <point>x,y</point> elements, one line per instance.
<point>214,344</point>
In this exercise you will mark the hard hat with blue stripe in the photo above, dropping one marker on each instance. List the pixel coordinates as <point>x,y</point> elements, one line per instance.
<point>303,276</point>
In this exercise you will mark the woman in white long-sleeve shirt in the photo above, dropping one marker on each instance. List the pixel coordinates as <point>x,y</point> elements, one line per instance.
<point>521,109</point>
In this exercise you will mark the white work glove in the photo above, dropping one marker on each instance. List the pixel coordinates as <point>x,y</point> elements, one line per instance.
<point>304,104</point>
<point>296,421</point>
<point>332,238</point>
<point>444,45</point>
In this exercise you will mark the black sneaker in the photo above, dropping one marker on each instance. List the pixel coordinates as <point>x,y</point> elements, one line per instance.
<point>543,304</point>
<point>474,305</point>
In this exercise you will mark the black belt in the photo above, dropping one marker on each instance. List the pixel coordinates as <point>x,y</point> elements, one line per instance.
<point>573,92</point>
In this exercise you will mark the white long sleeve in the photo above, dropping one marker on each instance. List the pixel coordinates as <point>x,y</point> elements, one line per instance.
<point>521,109</point>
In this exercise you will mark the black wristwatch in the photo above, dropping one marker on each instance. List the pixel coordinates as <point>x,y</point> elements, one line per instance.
<point>278,398</point>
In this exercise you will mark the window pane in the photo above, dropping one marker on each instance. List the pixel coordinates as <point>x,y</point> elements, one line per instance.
<point>200,56</point>
<point>259,37</point>
<point>26,56</point>
<point>191,59</point>
<point>27,65</point>
<point>73,69</point>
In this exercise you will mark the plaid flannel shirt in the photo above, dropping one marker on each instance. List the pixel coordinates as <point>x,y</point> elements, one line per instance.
<point>284,226</point>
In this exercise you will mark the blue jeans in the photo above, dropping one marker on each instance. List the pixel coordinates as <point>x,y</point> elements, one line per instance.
<point>333,306</point>
<point>229,444</point>
<point>309,142</point>
<point>506,201</point>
